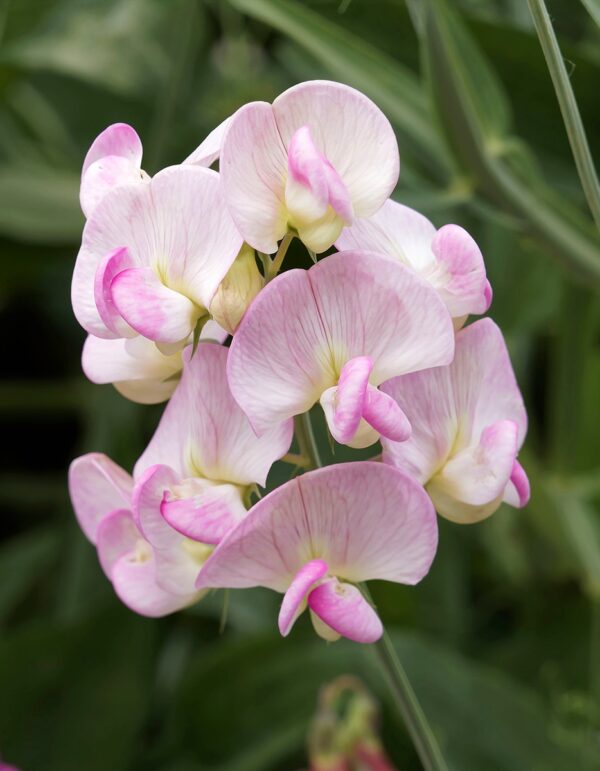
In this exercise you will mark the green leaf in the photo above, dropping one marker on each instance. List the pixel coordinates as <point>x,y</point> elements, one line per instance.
<point>40,205</point>
<point>593,8</point>
<point>24,560</point>
<point>110,44</point>
<point>570,524</point>
<point>75,697</point>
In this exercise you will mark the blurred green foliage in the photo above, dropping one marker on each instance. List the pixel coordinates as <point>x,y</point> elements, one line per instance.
<point>502,640</point>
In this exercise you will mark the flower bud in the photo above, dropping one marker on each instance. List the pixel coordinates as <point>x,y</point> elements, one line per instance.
<point>237,290</point>
<point>344,734</point>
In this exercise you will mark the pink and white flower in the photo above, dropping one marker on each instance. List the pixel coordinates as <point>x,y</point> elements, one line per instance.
<point>149,579</point>
<point>316,537</point>
<point>448,258</point>
<point>468,424</point>
<point>136,367</point>
<point>154,530</point>
<point>204,453</point>
<point>319,157</point>
<point>114,158</point>
<point>333,334</point>
<point>152,257</point>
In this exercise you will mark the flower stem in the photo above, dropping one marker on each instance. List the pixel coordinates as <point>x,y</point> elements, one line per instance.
<point>277,262</point>
<point>396,678</point>
<point>306,440</point>
<point>296,459</point>
<point>407,703</point>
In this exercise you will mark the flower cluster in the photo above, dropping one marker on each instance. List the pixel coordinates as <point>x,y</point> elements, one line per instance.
<point>374,332</point>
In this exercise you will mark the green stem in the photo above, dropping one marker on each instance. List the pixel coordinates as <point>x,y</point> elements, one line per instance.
<point>296,459</point>
<point>397,680</point>
<point>568,107</point>
<point>277,262</point>
<point>406,702</point>
<point>306,440</point>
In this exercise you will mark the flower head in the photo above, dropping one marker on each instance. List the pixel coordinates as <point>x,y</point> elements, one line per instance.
<point>468,422</point>
<point>154,531</point>
<point>317,158</point>
<point>151,570</point>
<point>448,258</point>
<point>209,449</point>
<point>333,334</point>
<point>314,538</point>
<point>153,256</point>
<point>115,158</point>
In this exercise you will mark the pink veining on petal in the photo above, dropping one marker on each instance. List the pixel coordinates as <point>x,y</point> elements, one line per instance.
<point>479,474</point>
<point>206,518</point>
<point>466,288</point>
<point>97,486</point>
<point>366,520</point>
<point>151,308</point>
<point>386,416</point>
<point>352,133</point>
<point>131,563</point>
<point>308,166</point>
<point>343,608</point>
<point>114,263</point>
<point>293,600</point>
<point>521,482</point>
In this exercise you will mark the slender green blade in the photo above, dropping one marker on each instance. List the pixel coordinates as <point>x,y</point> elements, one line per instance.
<point>487,151</point>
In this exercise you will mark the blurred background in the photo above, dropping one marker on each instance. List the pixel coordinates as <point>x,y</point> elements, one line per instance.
<point>502,640</point>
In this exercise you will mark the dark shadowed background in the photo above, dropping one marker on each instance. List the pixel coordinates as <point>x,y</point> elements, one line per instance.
<point>502,640</point>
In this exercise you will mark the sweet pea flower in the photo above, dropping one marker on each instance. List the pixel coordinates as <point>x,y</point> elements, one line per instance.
<point>114,158</point>
<point>153,256</point>
<point>448,258</point>
<point>468,422</point>
<point>332,334</point>
<point>314,538</point>
<point>152,580</point>
<point>312,162</point>
<point>136,366</point>
<point>154,530</point>
<point>204,457</point>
